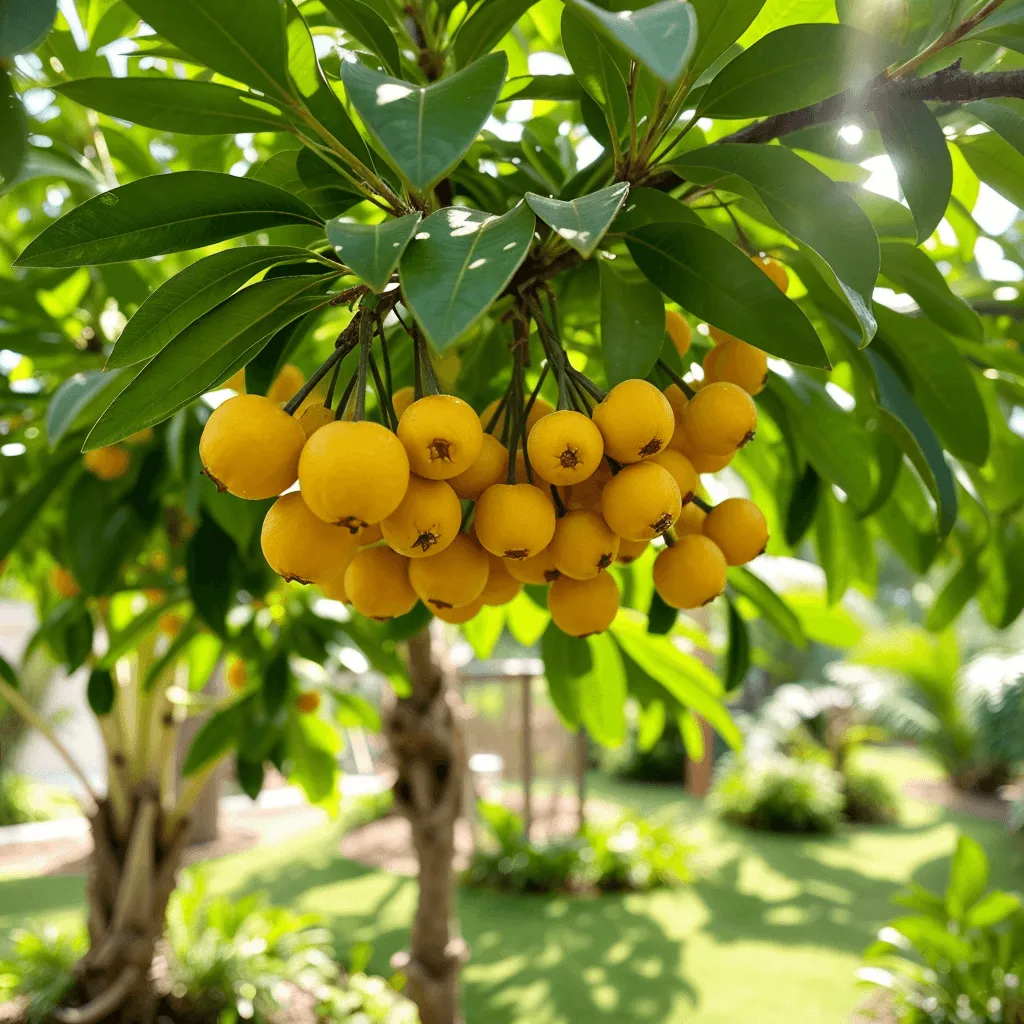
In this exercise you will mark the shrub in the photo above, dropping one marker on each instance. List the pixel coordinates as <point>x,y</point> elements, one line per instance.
<point>868,798</point>
<point>778,794</point>
<point>663,762</point>
<point>23,800</point>
<point>634,854</point>
<point>38,971</point>
<point>959,959</point>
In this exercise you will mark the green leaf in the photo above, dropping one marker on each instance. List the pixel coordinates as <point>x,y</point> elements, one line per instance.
<point>206,353</point>
<point>708,276</point>
<point>968,877</point>
<point>912,270</point>
<point>177,105</point>
<point>803,504</point>
<point>485,28</point>
<point>362,22</point>
<point>892,221</point>
<point>719,24</point>
<point>661,36</point>
<point>1001,592</point>
<point>211,563</point>
<point>915,436</point>
<point>650,206</point>
<point>581,222</point>
<point>13,131</point>
<point>249,775</point>
<point>650,724</point>
<point>1003,27</point>
<point>79,401</point>
<point>567,660</point>
<point>917,148</point>
<point>426,130</point>
<point>603,692</point>
<point>1003,116</point>
<point>542,87</point>
<point>992,909</point>
<point>245,42</point>
<point>941,383</point>
<point>775,611</point>
<point>661,616</point>
<point>790,68</point>
<point>221,732</point>
<point>600,66</point>
<point>458,263</point>
<point>197,289</point>
<point>997,163</point>
<point>833,545</point>
<point>372,251</point>
<point>484,630</point>
<point>101,536</point>
<point>99,691</point>
<point>24,24</point>
<point>161,214</point>
<point>959,589</point>
<point>526,619</point>
<point>632,324</point>
<point>19,511</point>
<point>737,662</point>
<point>806,204</point>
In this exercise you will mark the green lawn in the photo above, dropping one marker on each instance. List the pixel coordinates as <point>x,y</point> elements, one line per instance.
<point>770,934</point>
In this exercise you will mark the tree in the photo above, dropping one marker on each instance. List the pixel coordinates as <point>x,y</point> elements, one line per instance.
<point>687,139</point>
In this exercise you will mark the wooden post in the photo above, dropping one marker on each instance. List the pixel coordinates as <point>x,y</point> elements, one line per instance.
<point>527,751</point>
<point>698,773</point>
<point>581,779</point>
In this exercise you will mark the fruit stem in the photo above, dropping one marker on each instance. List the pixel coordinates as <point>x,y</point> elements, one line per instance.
<point>675,378</point>
<point>387,410</point>
<point>346,396</point>
<point>701,503</point>
<point>365,338</point>
<point>318,375</point>
<point>386,356</point>
<point>497,412</point>
<point>669,536</point>
<point>560,506</point>
<point>521,373</point>
<point>330,387</point>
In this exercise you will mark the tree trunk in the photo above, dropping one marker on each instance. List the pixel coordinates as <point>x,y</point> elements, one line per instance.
<point>430,757</point>
<point>131,878</point>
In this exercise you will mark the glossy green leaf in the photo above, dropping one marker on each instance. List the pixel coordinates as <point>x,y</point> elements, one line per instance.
<point>737,661</point>
<point>991,909</point>
<point>719,24</point>
<point>968,877</point>
<point>892,221</point>
<point>484,630</point>
<point>708,276</point>
<point>953,597</point>
<point>805,203</point>
<point>833,545</point>
<point>803,504</point>
<point>161,214</point>
<point>917,148</point>
<point>362,22</point>
<point>206,353</point>
<point>790,68</point>
<point>1003,27</point>
<point>649,206</point>
<point>632,324</point>
<point>601,67</point>
<point>485,28</point>
<point>426,130</point>
<point>19,511</point>
<point>13,130</point>
<point>184,298</point>
<point>602,692</point>
<point>661,616</point>
<point>372,251</point>
<point>458,263</point>
<point>1001,592</point>
<point>211,562</point>
<point>661,36</point>
<point>220,733</point>
<point>242,39</point>
<point>581,222</point>
<point>77,397</point>
<point>542,87</point>
<point>567,661</point>
<point>997,163</point>
<point>99,692</point>
<point>1003,116</point>
<point>23,24</point>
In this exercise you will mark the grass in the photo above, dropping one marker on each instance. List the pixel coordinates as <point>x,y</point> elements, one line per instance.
<point>770,934</point>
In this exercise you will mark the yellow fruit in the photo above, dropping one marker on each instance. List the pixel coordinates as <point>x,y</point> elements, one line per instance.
<point>583,607</point>
<point>314,417</point>
<point>457,616</point>
<point>720,419</point>
<point>678,330</point>
<point>170,624</point>
<point>565,447</point>
<point>709,463</point>
<point>251,447</point>
<point>635,420</point>
<point>455,577</point>
<point>641,502</point>
<point>586,496</point>
<point>426,521</point>
<point>690,573</point>
<point>514,520</point>
<point>583,545</point>
<point>63,582</point>
<point>237,676</point>
<point>369,535</point>
<point>140,437</point>
<point>334,589</point>
<point>353,474</point>
<point>490,467</point>
<point>442,436</point>
<point>236,381</point>
<point>631,550</point>
<point>738,363</point>
<point>402,399</point>
<point>501,585</point>
<point>285,384</point>
<point>739,528</point>
<point>691,519</point>
<point>711,360</point>
<point>682,472</point>
<point>107,463</point>
<point>302,547</point>
<point>677,399</point>
<point>538,411</point>
<point>308,702</point>
<point>540,569</point>
<point>377,583</point>
<point>775,271</point>
<point>720,337</point>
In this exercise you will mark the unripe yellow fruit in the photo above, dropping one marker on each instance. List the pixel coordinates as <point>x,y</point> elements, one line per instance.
<point>307,702</point>
<point>583,545</point>
<point>490,467</point>
<point>426,521</point>
<point>402,399</point>
<point>501,585</point>
<point>641,502</point>
<point>334,589</point>
<point>539,570</point>
<point>583,607</point>
<point>775,271</point>
<point>682,472</point>
<point>369,535</point>
<point>442,436</point>
<point>302,547</point>
<point>353,474</point>
<point>250,447</point>
<point>63,582</point>
<point>538,411</point>
<point>690,573</point>
<point>635,420</point>
<point>720,419</point>
<point>314,417</point>
<point>720,337</point>
<point>457,616</point>
<point>236,381</point>
<point>631,550</point>
<point>140,437</point>
<point>586,496</point>
<point>691,519</point>
<point>565,447</point>
<point>237,676</point>
<point>108,463</point>
<point>514,520</point>
<point>377,583</point>
<point>738,363</point>
<point>678,330</point>
<point>739,528</point>
<point>170,624</point>
<point>677,399</point>
<point>453,578</point>
<point>285,384</point>
<point>704,463</point>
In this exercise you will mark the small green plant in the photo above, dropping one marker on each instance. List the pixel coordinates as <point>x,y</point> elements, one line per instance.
<point>23,800</point>
<point>38,969</point>
<point>634,854</point>
<point>778,794</point>
<point>868,798</point>
<point>959,959</point>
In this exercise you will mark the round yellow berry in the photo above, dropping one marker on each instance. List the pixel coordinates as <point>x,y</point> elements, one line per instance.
<point>682,472</point>
<point>307,702</point>
<point>540,569</point>
<point>739,528</point>
<point>538,411</point>
<point>108,463</point>
<point>583,607</point>
<point>631,550</point>
<point>565,447</point>
<point>314,417</point>
<point>490,467</point>
<point>738,363</point>
<point>442,436</point>
<point>501,585</point>
<point>426,521</point>
<point>775,271</point>
<point>63,582</point>
<point>377,583</point>
<point>237,675</point>
<point>690,573</point>
<point>583,545</point>
<point>678,330</point>
<point>720,419</point>
<point>635,420</point>
<point>285,384</point>
<point>300,546</point>
<point>453,578</point>
<point>641,502</point>
<point>514,520</point>
<point>463,613</point>
<point>402,399</point>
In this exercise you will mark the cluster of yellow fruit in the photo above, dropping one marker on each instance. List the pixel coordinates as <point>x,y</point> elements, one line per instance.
<point>114,460</point>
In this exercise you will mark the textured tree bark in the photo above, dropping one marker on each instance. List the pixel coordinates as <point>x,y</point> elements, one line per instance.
<point>430,757</point>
